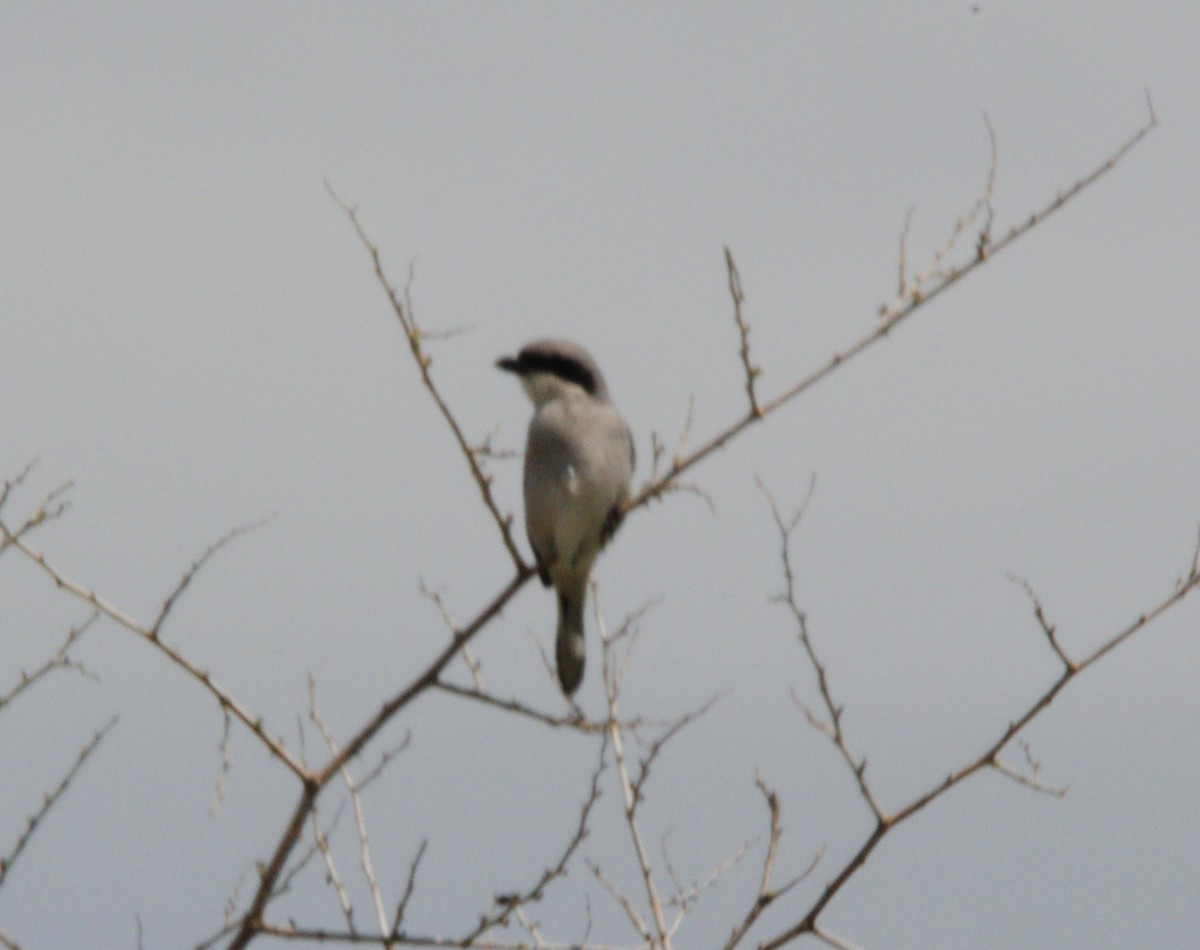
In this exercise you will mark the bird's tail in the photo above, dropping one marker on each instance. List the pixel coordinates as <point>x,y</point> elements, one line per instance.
<point>569,647</point>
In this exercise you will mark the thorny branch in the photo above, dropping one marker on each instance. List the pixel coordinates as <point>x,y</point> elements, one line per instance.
<point>513,705</point>
<point>989,758</point>
<point>50,507</point>
<point>409,886</point>
<point>912,288</point>
<point>735,291</point>
<point>939,281</point>
<point>34,820</point>
<point>252,922</point>
<point>833,726</point>
<point>629,791</point>
<point>151,635</point>
<point>61,660</point>
<point>913,293</point>
<point>1040,615</point>
<point>685,898</point>
<point>448,618</point>
<point>360,821</point>
<point>507,904</point>
<point>402,307</point>
<point>767,894</point>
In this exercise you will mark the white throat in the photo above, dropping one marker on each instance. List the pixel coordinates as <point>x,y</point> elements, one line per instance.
<point>542,388</point>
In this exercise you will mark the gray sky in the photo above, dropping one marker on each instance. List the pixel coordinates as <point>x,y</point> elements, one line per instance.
<point>192,333</point>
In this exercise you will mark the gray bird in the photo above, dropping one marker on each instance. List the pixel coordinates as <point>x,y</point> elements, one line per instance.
<point>579,461</point>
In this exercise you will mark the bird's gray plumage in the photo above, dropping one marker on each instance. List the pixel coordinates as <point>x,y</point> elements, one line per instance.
<point>579,461</point>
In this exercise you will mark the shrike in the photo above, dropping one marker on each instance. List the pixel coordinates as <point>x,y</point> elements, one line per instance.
<point>579,461</point>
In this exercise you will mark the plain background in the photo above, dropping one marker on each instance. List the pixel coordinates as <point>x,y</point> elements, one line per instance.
<point>191,332</point>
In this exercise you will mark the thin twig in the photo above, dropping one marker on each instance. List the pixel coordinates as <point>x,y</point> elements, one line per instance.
<point>360,821</point>
<point>735,291</point>
<point>838,943</point>
<point>223,774</point>
<point>581,724</point>
<point>50,798</point>
<point>448,619</point>
<point>670,732</point>
<point>61,660</point>
<point>989,758</point>
<point>192,571</point>
<point>1047,627</point>
<point>404,314</point>
<point>508,903</point>
<point>833,727</point>
<point>1028,779</point>
<point>913,289</point>
<point>685,898</point>
<point>767,894</point>
<point>222,696</point>
<point>658,486</point>
<point>409,886</point>
<point>626,904</point>
<point>48,509</point>
<point>332,875</point>
<point>252,922</point>
<point>612,680</point>
<point>318,935</point>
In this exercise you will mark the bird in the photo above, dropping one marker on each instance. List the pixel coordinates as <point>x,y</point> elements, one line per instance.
<point>579,462</point>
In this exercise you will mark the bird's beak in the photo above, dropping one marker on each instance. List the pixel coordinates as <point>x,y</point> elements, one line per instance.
<point>509,364</point>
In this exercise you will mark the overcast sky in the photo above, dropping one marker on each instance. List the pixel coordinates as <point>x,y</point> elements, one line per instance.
<point>191,331</point>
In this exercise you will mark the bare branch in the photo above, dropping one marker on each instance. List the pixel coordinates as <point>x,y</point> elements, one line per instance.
<point>317,935</point>
<point>530,927</point>
<point>223,774</point>
<point>61,660</point>
<point>630,911</point>
<point>49,800</point>
<point>223,698</point>
<point>672,729</point>
<point>486,450</point>
<point>833,727</point>
<point>404,314</point>
<point>384,759</point>
<point>49,508</point>
<point>910,290</point>
<point>410,885</point>
<point>686,432</point>
<point>766,893</point>
<point>838,943</point>
<point>1028,779</point>
<point>16,482</point>
<point>1047,627</point>
<point>332,875</point>
<point>448,619</point>
<point>360,821</point>
<point>735,291</point>
<point>902,255</point>
<point>629,795</point>
<point>574,721</point>
<point>989,758</point>
<point>506,904</point>
<point>685,898</point>
<point>1195,570</point>
<point>191,572</point>
<point>943,281</point>
<point>426,679</point>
